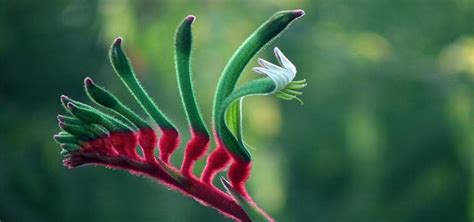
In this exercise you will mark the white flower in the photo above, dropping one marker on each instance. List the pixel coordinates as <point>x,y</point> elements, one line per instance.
<point>281,75</point>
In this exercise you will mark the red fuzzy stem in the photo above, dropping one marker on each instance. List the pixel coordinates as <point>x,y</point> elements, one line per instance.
<point>100,145</point>
<point>195,149</point>
<point>238,174</point>
<point>97,145</point>
<point>125,143</point>
<point>116,141</point>
<point>148,140</point>
<point>101,151</point>
<point>130,142</point>
<point>168,143</point>
<point>216,162</point>
<point>202,192</point>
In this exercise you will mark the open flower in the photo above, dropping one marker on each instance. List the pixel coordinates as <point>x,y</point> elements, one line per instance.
<point>282,76</point>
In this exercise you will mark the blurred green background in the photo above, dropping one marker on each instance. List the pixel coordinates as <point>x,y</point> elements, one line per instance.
<point>386,132</point>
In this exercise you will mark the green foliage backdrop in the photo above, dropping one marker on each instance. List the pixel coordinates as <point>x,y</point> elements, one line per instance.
<point>386,132</point>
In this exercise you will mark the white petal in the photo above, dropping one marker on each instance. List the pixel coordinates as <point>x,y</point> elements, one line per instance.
<point>264,63</point>
<point>285,62</point>
<point>270,73</point>
<point>260,70</point>
<point>281,76</point>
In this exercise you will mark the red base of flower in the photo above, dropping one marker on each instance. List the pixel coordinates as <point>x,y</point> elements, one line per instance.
<point>125,143</point>
<point>238,174</point>
<point>195,149</point>
<point>168,143</point>
<point>216,162</point>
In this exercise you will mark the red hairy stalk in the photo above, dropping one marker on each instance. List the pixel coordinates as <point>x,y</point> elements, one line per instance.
<point>125,143</point>
<point>216,162</point>
<point>205,193</point>
<point>238,174</point>
<point>168,143</point>
<point>147,139</point>
<point>101,145</point>
<point>195,149</point>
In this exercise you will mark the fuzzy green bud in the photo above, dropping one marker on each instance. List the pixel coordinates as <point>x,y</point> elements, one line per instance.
<point>106,99</point>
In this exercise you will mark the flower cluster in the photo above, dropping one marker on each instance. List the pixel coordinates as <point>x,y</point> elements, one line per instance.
<point>119,138</point>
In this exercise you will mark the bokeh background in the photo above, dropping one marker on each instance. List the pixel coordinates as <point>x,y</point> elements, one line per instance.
<point>386,132</point>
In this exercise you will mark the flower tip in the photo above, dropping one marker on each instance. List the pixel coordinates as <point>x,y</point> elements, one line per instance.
<point>68,147</point>
<point>190,18</point>
<point>118,41</point>
<point>64,98</point>
<point>60,118</point>
<point>64,152</point>
<point>276,50</point>
<point>298,12</point>
<point>88,81</point>
<point>61,125</point>
<point>70,106</point>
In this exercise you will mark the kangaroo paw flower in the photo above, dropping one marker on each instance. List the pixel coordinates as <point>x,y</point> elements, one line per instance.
<point>91,136</point>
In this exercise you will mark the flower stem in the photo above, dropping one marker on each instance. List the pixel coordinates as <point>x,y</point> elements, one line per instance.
<point>203,192</point>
